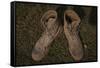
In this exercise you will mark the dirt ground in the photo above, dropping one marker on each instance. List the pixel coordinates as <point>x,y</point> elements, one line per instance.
<point>29,30</point>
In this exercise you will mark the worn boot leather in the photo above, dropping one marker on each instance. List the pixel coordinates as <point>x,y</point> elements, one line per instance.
<point>49,21</point>
<point>71,30</point>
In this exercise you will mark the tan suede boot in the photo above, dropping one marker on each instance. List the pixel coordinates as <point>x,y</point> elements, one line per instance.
<point>49,21</point>
<point>71,24</point>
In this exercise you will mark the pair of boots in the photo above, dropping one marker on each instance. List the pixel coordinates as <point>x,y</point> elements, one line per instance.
<point>52,29</point>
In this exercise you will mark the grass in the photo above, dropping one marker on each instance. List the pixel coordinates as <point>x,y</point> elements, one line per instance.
<point>29,30</point>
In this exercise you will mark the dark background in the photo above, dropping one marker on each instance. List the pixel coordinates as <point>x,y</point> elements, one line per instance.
<point>29,30</point>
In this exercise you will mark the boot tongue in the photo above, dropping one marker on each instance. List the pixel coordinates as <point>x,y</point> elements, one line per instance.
<point>50,23</point>
<point>51,19</point>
